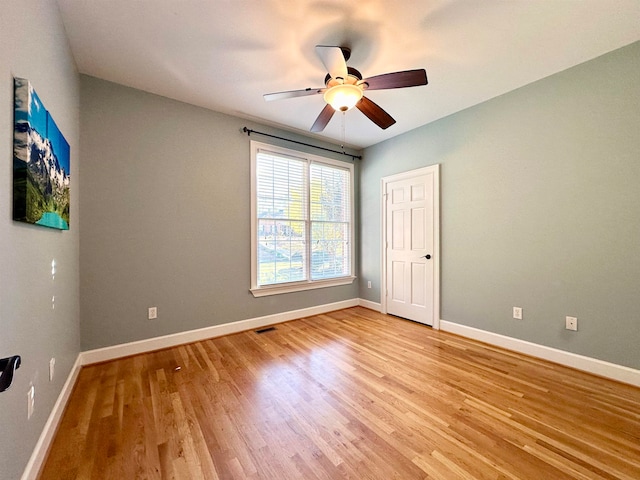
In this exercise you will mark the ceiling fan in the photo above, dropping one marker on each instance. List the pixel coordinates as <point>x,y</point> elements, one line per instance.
<point>344,88</point>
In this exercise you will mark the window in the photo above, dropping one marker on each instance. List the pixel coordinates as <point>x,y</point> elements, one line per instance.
<point>302,210</point>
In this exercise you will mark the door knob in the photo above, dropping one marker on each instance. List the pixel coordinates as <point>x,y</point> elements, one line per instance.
<point>427,256</point>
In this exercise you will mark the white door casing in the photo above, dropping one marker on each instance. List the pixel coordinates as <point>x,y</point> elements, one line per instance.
<point>410,245</point>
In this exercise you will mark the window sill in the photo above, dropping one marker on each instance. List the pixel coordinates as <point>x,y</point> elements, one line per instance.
<point>299,287</point>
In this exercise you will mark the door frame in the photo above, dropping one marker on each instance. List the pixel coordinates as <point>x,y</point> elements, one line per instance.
<point>435,170</point>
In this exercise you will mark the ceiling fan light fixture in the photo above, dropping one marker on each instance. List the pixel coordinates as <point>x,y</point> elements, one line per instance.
<point>343,97</point>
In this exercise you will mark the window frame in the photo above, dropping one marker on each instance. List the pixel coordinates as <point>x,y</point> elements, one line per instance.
<point>308,284</point>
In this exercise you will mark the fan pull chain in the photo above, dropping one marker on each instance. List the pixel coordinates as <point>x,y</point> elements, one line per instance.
<point>344,116</point>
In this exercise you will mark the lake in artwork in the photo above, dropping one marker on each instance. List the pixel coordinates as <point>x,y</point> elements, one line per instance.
<point>41,162</point>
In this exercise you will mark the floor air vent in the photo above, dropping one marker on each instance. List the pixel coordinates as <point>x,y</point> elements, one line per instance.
<point>264,330</point>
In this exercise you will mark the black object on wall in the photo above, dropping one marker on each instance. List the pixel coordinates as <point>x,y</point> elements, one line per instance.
<point>7,368</point>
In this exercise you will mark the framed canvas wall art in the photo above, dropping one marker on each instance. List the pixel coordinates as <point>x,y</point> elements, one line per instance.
<point>41,162</point>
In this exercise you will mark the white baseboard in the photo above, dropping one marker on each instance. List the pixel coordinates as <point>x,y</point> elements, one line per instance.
<point>579,362</point>
<point>157,343</point>
<point>591,365</point>
<point>48,432</point>
<point>370,305</point>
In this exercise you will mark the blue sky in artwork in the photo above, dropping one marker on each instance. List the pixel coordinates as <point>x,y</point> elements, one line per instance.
<point>37,114</point>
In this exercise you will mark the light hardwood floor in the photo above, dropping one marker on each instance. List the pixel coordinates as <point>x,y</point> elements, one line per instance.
<point>351,394</point>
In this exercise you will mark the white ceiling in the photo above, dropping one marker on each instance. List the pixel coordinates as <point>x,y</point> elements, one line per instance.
<point>225,54</point>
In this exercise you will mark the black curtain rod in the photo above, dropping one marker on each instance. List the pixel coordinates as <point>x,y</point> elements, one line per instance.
<point>248,131</point>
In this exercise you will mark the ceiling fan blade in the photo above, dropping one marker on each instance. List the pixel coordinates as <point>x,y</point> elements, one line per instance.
<point>292,94</point>
<point>375,113</point>
<point>322,120</point>
<point>333,60</point>
<point>407,78</point>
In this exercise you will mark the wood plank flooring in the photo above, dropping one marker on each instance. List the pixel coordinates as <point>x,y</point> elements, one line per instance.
<point>351,394</point>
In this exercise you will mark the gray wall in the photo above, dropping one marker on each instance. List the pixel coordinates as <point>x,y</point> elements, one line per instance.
<point>540,208</point>
<point>33,46</point>
<point>166,218</point>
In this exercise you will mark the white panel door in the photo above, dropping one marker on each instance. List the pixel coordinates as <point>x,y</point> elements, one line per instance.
<point>410,205</point>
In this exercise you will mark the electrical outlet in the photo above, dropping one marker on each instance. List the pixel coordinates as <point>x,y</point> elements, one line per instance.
<point>517,313</point>
<point>571,323</point>
<point>52,367</point>
<point>31,399</point>
<point>369,284</point>
<point>153,313</point>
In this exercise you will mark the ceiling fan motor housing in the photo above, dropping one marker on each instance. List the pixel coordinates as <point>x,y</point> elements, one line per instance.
<point>353,77</point>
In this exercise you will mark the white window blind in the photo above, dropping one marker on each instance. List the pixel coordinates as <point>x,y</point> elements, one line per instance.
<point>302,225</point>
<point>282,218</point>
<point>330,222</point>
